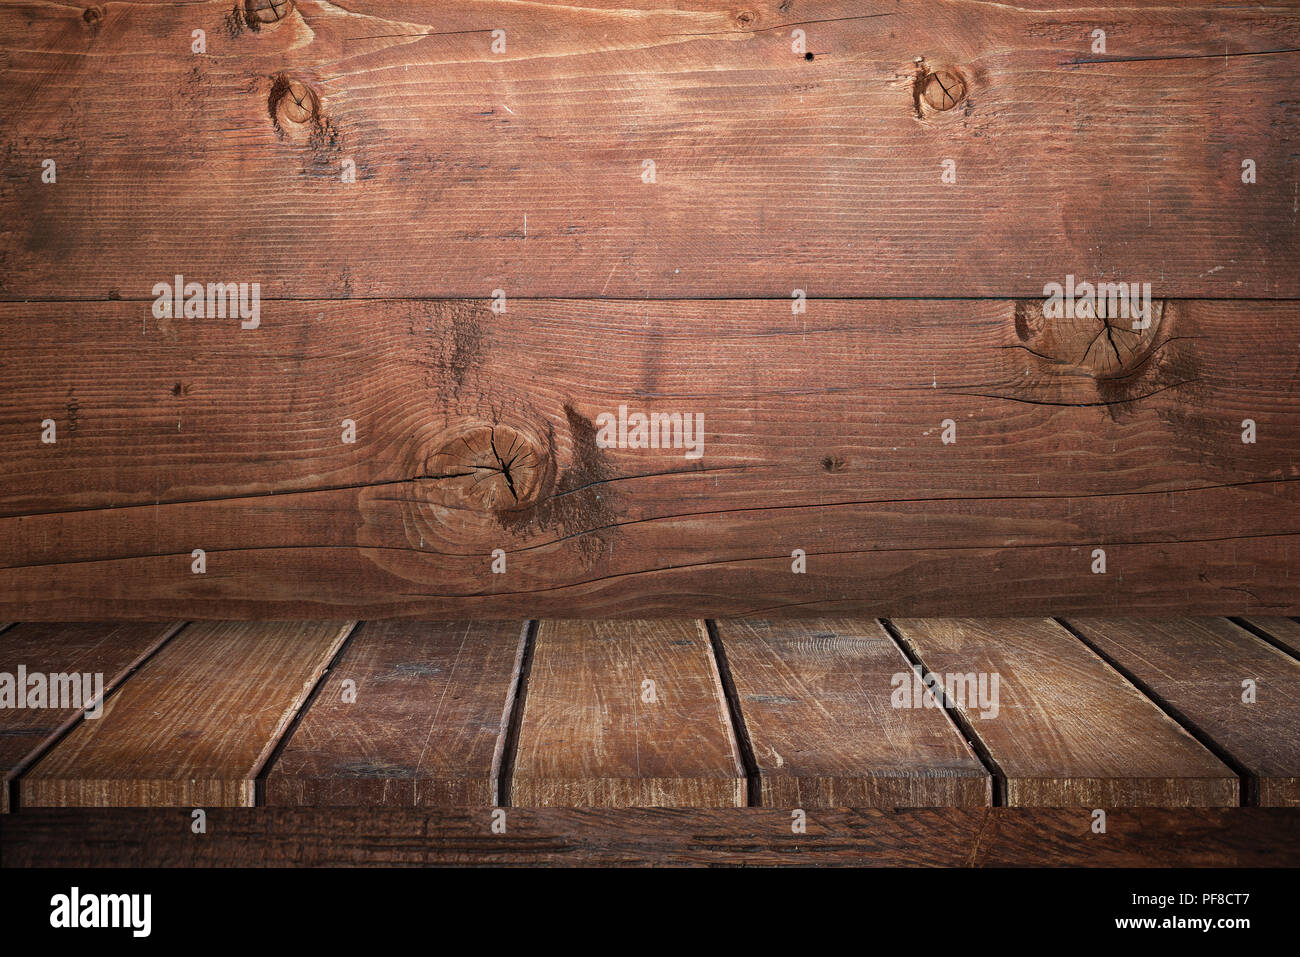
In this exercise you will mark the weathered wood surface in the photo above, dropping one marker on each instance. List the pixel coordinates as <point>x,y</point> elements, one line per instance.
<point>625,714</point>
<point>955,837</point>
<point>661,713</point>
<point>816,701</point>
<point>1284,632</point>
<point>822,432</point>
<point>523,169</point>
<point>104,651</point>
<point>1198,668</point>
<point>414,713</point>
<point>1066,728</point>
<point>194,726</point>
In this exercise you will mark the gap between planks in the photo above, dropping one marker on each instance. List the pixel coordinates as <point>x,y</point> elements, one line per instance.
<point>1249,783</point>
<point>259,775</point>
<point>959,720</point>
<point>1282,633</point>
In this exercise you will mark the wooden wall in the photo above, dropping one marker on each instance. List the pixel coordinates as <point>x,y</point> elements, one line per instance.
<point>916,429</point>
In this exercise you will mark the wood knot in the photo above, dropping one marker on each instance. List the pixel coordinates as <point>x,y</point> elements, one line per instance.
<point>293,103</point>
<point>942,89</point>
<point>261,13</point>
<point>1102,346</point>
<point>491,467</point>
<point>744,19</point>
<point>93,16</point>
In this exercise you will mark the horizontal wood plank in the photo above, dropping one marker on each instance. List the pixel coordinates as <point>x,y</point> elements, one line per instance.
<point>524,170</point>
<point>414,713</point>
<point>816,701</point>
<point>1064,727</point>
<point>194,726</point>
<point>1199,668</point>
<point>625,714</point>
<point>822,432</point>
<point>862,837</point>
<point>102,652</point>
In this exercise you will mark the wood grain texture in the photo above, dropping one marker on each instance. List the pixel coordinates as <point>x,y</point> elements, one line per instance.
<point>594,734</point>
<point>194,726</point>
<point>426,725</point>
<point>1282,631</point>
<point>822,432</point>
<point>1068,729</point>
<point>1196,668</point>
<point>522,169</point>
<point>105,649</point>
<point>815,698</point>
<point>862,837</point>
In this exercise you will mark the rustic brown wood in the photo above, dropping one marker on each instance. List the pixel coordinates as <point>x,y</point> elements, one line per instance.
<point>194,726</point>
<point>523,169</point>
<point>1068,729</point>
<point>1281,631</point>
<point>1196,668</point>
<point>593,733</point>
<point>1136,837</point>
<point>424,724</point>
<point>815,698</point>
<point>822,432</point>
<point>109,650</point>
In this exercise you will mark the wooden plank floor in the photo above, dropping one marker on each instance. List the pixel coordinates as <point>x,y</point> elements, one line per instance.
<point>102,652</point>
<point>195,724</point>
<point>1066,728</point>
<point>815,698</point>
<point>669,713</point>
<point>1222,681</point>
<point>413,714</point>
<point>626,714</point>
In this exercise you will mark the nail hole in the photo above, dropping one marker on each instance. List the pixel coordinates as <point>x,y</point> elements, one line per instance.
<point>808,55</point>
